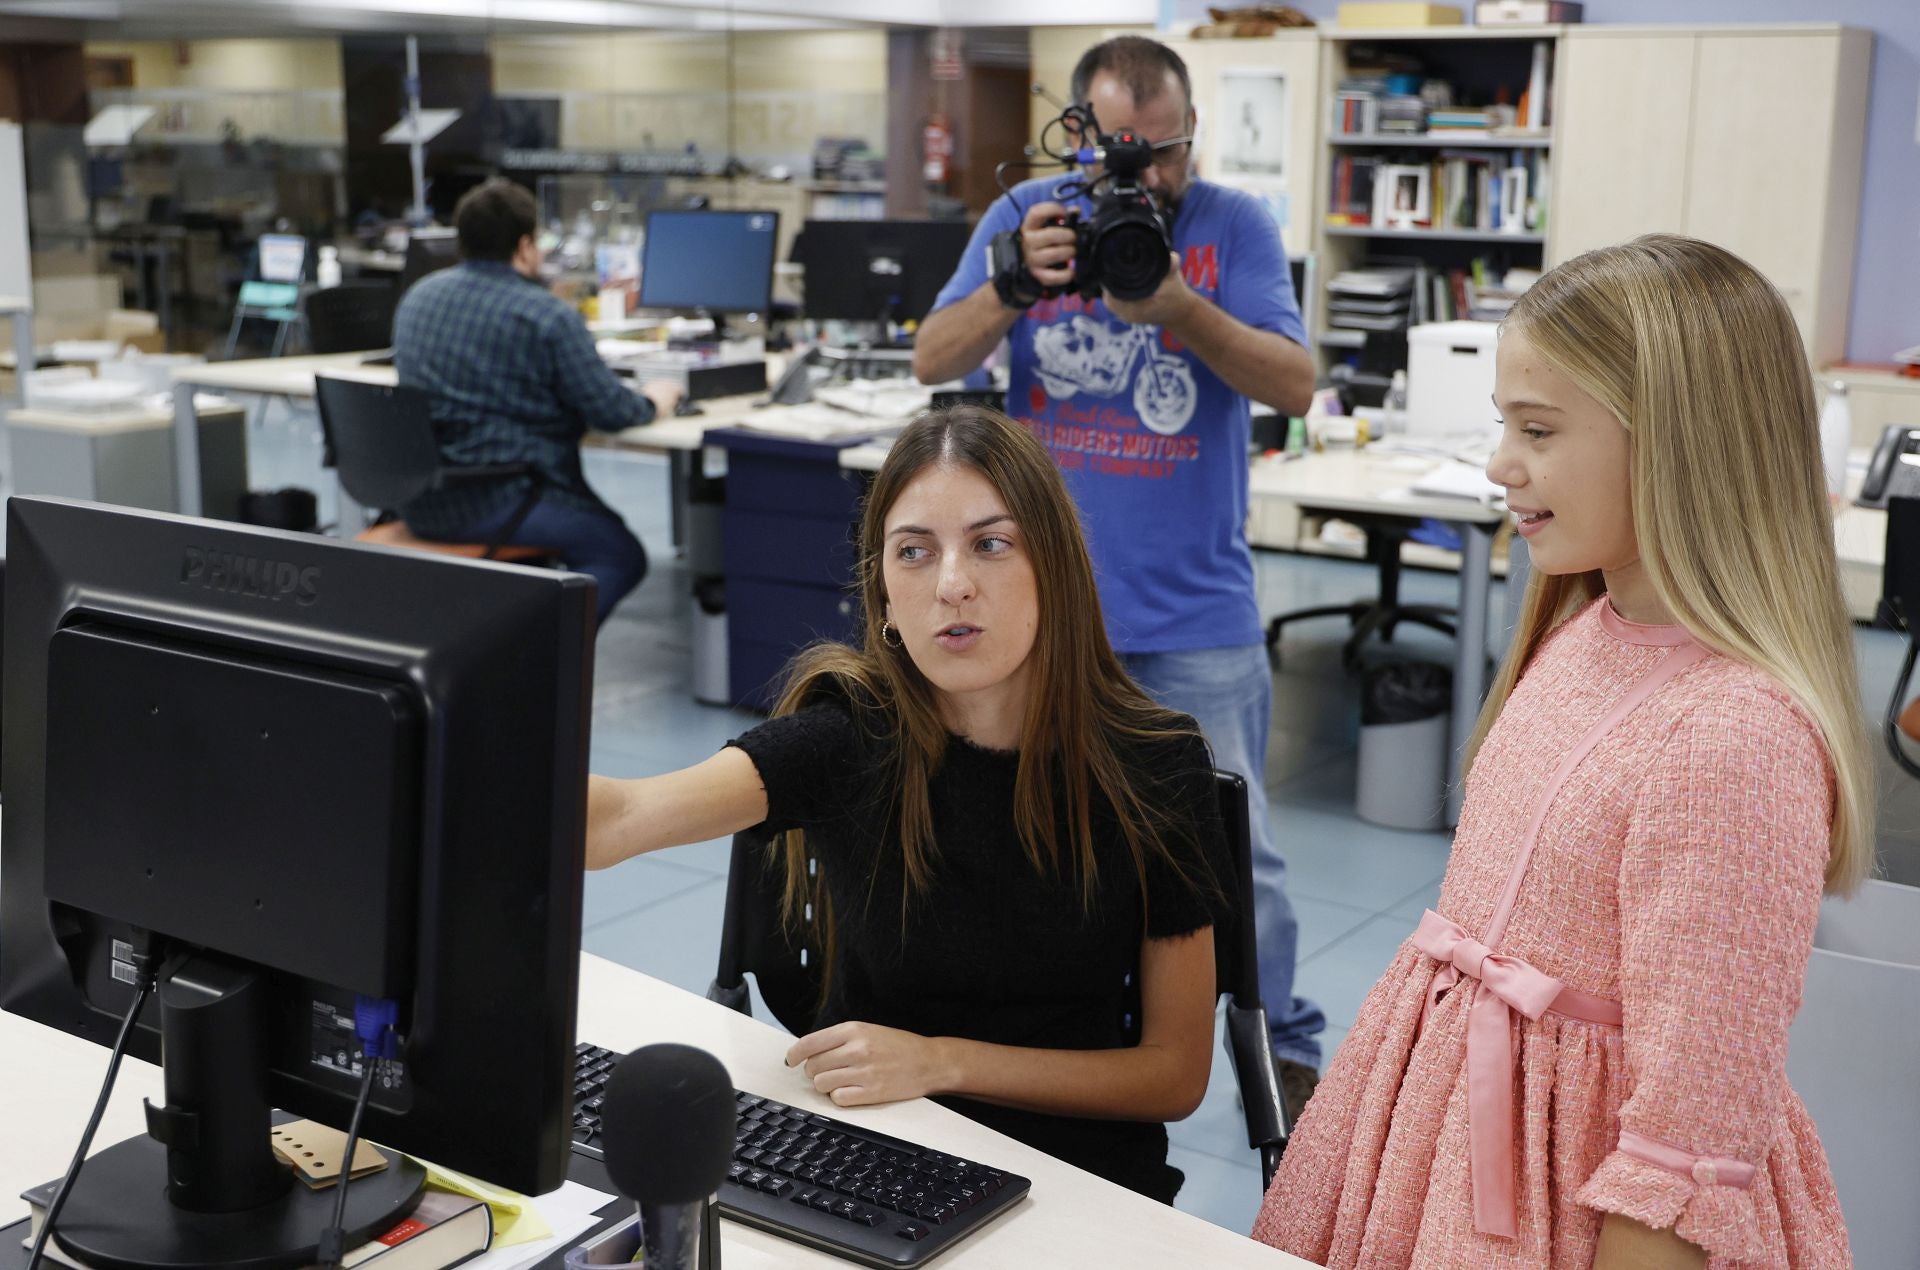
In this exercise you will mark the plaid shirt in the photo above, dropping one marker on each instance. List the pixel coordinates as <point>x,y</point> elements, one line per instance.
<point>514,378</point>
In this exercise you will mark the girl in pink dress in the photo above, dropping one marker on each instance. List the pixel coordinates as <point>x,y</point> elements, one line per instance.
<point>1580,1057</point>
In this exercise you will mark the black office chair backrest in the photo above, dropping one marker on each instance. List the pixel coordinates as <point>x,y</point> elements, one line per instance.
<point>1236,969</point>
<point>786,963</point>
<point>380,438</point>
<point>1900,574</point>
<point>351,317</point>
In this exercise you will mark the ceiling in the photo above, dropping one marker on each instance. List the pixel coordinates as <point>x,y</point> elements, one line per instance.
<point>210,19</point>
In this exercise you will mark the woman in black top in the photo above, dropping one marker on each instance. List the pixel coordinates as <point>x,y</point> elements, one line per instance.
<point>1011,838</point>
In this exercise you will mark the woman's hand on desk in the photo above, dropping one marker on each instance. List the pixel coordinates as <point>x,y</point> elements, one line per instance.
<point>1162,1078</point>
<point>858,1064</point>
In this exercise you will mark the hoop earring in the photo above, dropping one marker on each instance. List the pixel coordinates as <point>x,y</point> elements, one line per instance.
<point>887,628</point>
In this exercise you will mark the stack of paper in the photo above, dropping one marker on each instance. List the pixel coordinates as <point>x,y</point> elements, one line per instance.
<point>816,422</point>
<point>1454,479</point>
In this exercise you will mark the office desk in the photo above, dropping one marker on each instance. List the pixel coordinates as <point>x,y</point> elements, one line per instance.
<point>265,376</point>
<point>48,1081</point>
<point>125,457</point>
<point>18,310</point>
<point>292,377</point>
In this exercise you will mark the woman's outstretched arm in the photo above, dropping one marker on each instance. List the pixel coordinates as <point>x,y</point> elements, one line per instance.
<point>713,799</point>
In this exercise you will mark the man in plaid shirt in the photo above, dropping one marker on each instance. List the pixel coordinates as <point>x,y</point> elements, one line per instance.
<point>515,378</point>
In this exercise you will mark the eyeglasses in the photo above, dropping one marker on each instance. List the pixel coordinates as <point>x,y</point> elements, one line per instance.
<point>1172,152</point>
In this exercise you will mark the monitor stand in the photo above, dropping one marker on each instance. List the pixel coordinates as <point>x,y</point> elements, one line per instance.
<point>204,1188</point>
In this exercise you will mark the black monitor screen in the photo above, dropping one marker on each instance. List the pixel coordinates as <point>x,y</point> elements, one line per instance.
<point>876,270</point>
<point>719,262</point>
<point>314,771</point>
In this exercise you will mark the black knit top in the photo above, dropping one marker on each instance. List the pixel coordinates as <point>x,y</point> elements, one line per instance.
<point>993,951</point>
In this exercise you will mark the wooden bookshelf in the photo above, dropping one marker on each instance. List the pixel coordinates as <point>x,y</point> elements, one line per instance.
<point>1453,141</point>
<point>1437,235</point>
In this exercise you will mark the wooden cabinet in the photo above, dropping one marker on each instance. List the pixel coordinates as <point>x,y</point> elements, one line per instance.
<point>1775,162</point>
<point>1293,56</point>
<point>1749,137</point>
<point>1622,115</point>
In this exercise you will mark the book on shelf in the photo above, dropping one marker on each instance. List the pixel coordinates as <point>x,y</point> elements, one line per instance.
<point>1478,189</point>
<point>443,1230</point>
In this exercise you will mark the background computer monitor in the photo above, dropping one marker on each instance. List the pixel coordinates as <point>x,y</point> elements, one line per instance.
<point>428,251</point>
<point>712,262</point>
<point>878,270</point>
<point>324,769</point>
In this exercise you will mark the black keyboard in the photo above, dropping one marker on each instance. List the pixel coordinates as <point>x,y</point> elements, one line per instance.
<point>870,1198</point>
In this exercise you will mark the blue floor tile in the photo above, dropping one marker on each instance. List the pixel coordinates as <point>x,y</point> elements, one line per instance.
<point>629,887</point>
<point>1340,975</point>
<point>677,939</point>
<point>1225,1194</point>
<point>1332,856</point>
<point>1323,921</point>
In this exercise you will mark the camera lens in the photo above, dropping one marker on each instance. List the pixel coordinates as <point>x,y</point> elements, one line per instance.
<point>1132,256</point>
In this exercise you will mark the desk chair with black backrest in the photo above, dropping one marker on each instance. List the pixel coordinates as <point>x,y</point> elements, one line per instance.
<point>1900,609</point>
<point>350,318</point>
<point>786,963</point>
<point>1381,613</point>
<point>380,439</point>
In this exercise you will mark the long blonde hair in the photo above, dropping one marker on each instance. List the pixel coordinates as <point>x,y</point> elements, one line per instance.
<point>1697,356</point>
<point>1082,710</point>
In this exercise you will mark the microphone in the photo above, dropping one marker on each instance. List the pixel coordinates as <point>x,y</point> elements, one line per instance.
<point>667,1127</point>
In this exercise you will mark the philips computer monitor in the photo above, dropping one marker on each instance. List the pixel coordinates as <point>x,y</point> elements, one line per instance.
<point>878,270</point>
<point>317,770</point>
<point>709,262</point>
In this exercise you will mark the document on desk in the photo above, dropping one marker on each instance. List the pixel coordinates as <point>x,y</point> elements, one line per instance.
<point>889,399</point>
<point>816,422</point>
<point>1453,479</point>
<point>571,1211</point>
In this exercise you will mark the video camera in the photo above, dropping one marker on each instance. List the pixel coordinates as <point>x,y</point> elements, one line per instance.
<point>1125,247</point>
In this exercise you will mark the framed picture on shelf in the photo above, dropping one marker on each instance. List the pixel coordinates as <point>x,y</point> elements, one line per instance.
<point>1513,201</point>
<point>1252,128</point>
<point>1403,197</point>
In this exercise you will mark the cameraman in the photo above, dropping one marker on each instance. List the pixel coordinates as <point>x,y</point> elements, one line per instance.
<point>1144,404</point>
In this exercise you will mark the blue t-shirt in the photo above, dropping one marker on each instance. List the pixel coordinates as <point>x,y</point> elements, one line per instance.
<point>1152,443</point>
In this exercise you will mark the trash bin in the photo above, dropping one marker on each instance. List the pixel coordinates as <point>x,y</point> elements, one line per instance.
<point>1404,713</point>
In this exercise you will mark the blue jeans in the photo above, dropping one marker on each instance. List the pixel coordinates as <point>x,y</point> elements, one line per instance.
<point>1229,691</point>
<point>592,541</point>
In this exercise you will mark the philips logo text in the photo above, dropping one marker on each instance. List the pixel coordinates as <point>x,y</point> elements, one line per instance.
<point>250,576</point>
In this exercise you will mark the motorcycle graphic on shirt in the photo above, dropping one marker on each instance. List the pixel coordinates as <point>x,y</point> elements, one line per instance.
<point>1084,354</point>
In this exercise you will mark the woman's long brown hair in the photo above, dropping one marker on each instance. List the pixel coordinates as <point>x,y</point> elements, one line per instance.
<point>1082,710</point>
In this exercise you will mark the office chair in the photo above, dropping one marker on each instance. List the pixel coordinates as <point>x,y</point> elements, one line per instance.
<point>1385,536</point>
<point>350,318</point>
<point>380,439</point>
<point>786,964</point>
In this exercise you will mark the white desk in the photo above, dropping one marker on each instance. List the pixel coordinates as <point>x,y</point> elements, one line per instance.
<point>48,1082</point>
<point>18,310</point>
<point>292,377</point>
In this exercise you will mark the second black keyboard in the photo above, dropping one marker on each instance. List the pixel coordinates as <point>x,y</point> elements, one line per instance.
<point>865,1196</point>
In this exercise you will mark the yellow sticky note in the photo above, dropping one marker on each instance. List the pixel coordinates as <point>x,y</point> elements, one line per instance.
<point>515,1219</point>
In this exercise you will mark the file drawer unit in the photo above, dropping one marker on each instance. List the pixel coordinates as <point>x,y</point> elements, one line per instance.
<point>789,538</point>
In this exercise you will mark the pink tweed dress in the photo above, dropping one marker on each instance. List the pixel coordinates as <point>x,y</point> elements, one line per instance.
<point>1595,1020</point>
